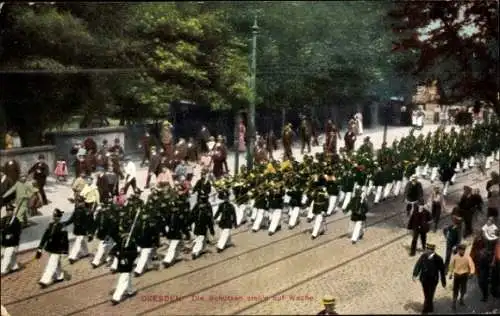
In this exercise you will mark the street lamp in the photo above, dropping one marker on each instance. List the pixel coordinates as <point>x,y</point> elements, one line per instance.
<point>253,96</point>
<point>387,107</point>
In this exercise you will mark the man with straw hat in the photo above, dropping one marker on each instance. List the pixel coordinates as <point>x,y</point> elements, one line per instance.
<point>329,303</point>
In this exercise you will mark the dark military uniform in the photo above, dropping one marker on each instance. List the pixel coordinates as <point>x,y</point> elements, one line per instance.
<point>82,220</point>
<point>126,255</point>
<point>10,227</point>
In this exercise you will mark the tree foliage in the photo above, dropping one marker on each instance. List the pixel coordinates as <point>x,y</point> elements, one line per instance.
<point>457,44</point>
<point>131,60</point>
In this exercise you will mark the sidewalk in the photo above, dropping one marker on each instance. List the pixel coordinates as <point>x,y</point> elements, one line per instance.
<point>58,193</point>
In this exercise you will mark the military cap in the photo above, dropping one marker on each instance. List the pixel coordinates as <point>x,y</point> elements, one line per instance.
<point>462,246</point>
<point>57,213</point>
<point>328,300</point>
<point>430,246</point>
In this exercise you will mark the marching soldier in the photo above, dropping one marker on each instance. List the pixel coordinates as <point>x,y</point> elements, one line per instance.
<point>55,242</point>
<point>147,239</point>
<point>11,236</point>
<point>176,223</point>
<point>126,255</point>
<point>227,213</point>
<point>82,220</point>
<point>261,206</point>
<point>320,207</point>
<point>295,203</point>
<point>40,172</point>
<point>203,220</point>
<point>276,208</point>
<point>358,208</point>
<point>102,230</point>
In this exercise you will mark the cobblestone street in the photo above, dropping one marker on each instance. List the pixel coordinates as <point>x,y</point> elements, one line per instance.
<point>373,276</point>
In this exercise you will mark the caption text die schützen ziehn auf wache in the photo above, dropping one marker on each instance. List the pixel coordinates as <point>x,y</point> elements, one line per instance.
<point>223,298</point>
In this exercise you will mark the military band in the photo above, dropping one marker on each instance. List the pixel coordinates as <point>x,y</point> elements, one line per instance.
<point>270,195</point>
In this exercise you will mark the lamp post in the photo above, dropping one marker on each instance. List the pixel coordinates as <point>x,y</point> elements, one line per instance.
<point>253,95</point>
<point>386,121</point>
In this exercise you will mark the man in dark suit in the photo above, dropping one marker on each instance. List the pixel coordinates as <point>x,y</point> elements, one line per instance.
<point>419,223</point>
<point>40,172</point>
<point>429,269</point>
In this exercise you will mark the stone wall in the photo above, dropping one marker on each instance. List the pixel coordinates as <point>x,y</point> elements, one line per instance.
<point>27,156</point>
<point>64,140</point>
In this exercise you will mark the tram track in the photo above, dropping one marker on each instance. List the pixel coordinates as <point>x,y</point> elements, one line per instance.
<point>199,292</point>
<point>317,244</point>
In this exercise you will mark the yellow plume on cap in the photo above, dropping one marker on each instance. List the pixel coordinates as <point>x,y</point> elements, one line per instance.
<point>270,168</point>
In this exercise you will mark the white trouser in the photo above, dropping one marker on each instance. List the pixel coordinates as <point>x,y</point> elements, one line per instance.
<point>102,251</point>
<point>52,270</point>
<point>445,188</point>
<point>434,173</point>
<point>489,160</point>
<point>472,162</point>
<point>341,197</point>
<point>418,171</point>
<point>79,248</point>
<point>397,188</point>
<point>275,220</point>
<point>318,221</point>
<point>123,286</point>
<point>144,260</point>
<point>293,216</point>
<point>387,190</point>
<point>465,164</point>
<point>425,171</point>
<point>114,265</point>
<point>457,167</point>
<point>454,178</point>
<point>240,214</point>
<point>310,214</point>
<point>253,215</point>
<point>357,230</point>
<point>332,204</point>
<point>259,218</point>
<point>497,155</point>
<point>370,187</point>
<point>304,199</point>
<point>347,199</point>
<point>286,199</point>
<point>199,245</point>
<point>9,262</point>
<point>360,128</point>
<point>378,194</point>
<point>224,238</point>
<point>172,251</point>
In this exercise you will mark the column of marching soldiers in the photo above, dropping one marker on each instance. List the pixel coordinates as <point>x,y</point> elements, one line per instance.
<point>269,196</point>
